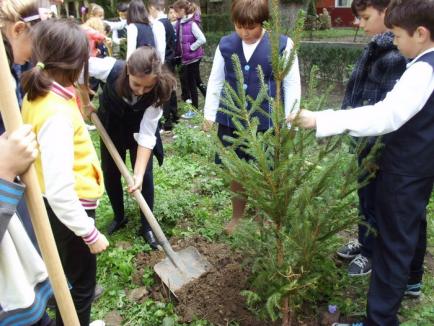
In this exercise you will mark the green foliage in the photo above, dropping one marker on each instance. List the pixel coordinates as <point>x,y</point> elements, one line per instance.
<point>217,23</point>
<point>333,60</point>
<point>188,141</point>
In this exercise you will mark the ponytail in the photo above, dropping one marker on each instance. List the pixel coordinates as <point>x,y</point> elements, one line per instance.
<point>188,6</point>
<point>36,83</point>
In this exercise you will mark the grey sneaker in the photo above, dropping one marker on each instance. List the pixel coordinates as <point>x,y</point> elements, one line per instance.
<point>413,290</point>
<point>343,324</point>
<point>360,266</point>
<point>350,250</point>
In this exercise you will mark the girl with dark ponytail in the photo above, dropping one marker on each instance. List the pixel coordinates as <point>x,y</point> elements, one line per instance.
<point>68,169</point>
<point>130,108</point>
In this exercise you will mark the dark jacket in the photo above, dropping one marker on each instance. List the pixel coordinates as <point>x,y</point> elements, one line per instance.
<point>374,75</point>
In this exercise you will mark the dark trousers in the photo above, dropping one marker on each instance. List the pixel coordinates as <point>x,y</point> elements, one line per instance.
<point>123,141</point>
<point>400,246</point>
<point>189,78</point>
<point>170,109</point>
<point>368,226</point>
<point>79,265</point>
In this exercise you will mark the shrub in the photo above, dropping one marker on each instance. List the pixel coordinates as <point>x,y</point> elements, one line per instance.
<point>332,60</point>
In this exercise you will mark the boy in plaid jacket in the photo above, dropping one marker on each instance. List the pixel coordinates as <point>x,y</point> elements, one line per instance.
<point>375,74</point>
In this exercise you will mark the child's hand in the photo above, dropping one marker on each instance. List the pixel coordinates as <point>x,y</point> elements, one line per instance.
<point>99,245</point>
<point>138,181</point>
<point>87,110</point>
<point>207,125</point>
<point>18,151</point>
<point>303,119</point>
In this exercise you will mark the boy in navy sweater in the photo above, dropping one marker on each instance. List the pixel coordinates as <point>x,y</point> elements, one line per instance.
<point>375,74</point>
<point>406,172</point>
<point>251,42</point>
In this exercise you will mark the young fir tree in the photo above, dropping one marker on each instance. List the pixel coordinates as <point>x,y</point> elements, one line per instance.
<point>303,189</point>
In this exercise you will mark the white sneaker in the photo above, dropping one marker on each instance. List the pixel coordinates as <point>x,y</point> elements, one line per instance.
<point>97,323</point>
<point>90,127</point>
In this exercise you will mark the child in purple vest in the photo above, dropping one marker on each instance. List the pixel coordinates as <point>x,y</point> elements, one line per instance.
<point>190,40</point>
<point>251,42</point>
<point>405,178</point>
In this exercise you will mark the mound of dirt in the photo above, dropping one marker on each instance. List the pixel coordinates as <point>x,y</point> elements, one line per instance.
<point>216,295</point>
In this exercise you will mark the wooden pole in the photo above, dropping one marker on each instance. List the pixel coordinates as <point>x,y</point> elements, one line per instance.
<point>12,118</point>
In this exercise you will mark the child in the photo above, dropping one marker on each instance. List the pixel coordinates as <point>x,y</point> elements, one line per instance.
<point>375,74</point>
<point>68,169</point>
<point>406,173</point>
<point>17,19</point>
<point>24,285</point>
<point>130,111</point>
<point>172,16</point>
<point>118,26</point>
<point>140,31</point>
<point>170,109</point>
<point>190,40</point>
<point>251,43</point>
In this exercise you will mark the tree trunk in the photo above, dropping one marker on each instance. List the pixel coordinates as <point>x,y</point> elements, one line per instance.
<point>289,12</point>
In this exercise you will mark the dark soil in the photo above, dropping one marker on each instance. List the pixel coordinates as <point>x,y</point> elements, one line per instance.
<point>216,295</point>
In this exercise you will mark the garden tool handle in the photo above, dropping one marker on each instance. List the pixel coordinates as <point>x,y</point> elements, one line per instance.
<point>12,118</point>
<point>136,194</point>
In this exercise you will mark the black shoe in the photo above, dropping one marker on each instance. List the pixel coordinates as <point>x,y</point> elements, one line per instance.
<point>116,225</point>
<point>150,238</point>
<point>99,290</point>
<point>202,89</point>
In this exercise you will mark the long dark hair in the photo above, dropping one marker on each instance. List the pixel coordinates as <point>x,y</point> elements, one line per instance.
<point>60,52</point>
<point>144,61</point>
<point>137,13</point>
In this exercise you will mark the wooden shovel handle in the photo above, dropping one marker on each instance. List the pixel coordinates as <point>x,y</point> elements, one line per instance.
<point>136,194</point>
<point>12,118</point>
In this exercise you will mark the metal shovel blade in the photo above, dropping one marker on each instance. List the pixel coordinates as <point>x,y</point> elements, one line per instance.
<point>192,266</point>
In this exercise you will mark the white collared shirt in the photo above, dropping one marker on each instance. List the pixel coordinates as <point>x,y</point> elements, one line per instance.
<point>402,103</point>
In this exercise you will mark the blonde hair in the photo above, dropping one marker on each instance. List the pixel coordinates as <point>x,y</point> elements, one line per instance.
<point>12,11</point>
<point>96,24</point>
<point>94,9</point>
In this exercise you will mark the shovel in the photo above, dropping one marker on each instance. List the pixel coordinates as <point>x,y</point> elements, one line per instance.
<point>179,268</point>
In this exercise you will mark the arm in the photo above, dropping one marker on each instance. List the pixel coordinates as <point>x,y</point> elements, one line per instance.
<point>215,85</point>
<point>99,68</point>
<point>57,156</point>
<point>10,195</point>
<point>132,33</point>
<point>18,151</point>
<point>160,38</point>
<point>200,37</point>
<point>146,140</point>
<point>116,26</point>
<point>291,84</point>
<point>403,102</point>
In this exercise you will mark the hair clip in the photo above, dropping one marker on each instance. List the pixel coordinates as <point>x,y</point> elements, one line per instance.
<point>32,18</point>
<point>40,65</point>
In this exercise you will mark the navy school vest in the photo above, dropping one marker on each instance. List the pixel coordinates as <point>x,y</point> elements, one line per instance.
<point>232,44</point>
<point>410,149</point>
<point>115,112</point>
<point>170,40</point>
<point>145,36</point>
